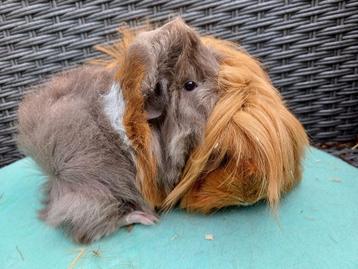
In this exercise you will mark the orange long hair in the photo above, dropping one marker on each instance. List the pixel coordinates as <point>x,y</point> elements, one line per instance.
<point>253,145</point>
<point>130,74</point>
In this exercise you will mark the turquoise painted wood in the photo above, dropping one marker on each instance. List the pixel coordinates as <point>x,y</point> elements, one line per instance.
<point>317,227</point>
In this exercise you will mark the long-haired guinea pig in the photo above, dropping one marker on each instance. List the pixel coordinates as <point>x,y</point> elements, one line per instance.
<point>253,146</point>
<point>113,140</point>
<point>221,124</point>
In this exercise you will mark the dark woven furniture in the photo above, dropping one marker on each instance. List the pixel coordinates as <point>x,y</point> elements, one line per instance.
<point>308,47</point>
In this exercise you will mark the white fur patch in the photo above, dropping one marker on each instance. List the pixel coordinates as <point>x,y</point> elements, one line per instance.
<point>113,106</point>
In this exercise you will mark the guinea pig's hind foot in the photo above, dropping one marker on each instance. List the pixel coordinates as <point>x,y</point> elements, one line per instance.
<point>141,218</point>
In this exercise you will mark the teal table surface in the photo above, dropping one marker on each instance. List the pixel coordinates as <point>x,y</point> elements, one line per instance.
<point>317,227</point>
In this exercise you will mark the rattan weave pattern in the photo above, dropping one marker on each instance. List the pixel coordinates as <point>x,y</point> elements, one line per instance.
<point>309,48</point>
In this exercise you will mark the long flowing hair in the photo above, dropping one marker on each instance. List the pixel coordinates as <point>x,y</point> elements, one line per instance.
<point>253,144</point>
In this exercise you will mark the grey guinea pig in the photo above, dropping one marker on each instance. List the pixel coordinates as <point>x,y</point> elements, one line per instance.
<point>72,126</point>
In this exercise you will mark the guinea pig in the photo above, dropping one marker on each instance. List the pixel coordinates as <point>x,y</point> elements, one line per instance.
<point>226,137</point>
<point>253,146</point>
<point>113,140</point>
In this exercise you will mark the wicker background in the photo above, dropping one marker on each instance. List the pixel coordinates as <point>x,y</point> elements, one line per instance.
<point>309,48</point>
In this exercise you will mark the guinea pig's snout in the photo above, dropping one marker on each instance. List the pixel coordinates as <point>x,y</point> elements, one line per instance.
<point>155,100</point>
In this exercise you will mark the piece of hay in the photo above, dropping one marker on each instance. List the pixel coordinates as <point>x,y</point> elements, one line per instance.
<point>336,179</point>
<point>174,237</point>
<point>209,237</point>
<point>96,253</point>
<point>78,257</point>
<point>20,253</point>
<point>310,218</point>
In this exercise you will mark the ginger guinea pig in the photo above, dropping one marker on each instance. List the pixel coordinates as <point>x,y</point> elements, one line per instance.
<point>253,145</point>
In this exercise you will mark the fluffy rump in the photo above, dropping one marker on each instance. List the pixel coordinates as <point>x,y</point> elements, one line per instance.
<point>91,175</point>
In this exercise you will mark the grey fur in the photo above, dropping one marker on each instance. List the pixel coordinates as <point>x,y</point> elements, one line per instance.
<point>91,187</point>
<point>175,55</point>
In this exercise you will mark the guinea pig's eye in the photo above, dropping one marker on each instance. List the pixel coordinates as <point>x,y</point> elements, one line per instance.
<point>190,85</point>
<point>158,88</point>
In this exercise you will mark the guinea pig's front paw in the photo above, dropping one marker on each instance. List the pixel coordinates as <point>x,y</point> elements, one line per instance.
<point>102,229</point>
<point>141,218</point>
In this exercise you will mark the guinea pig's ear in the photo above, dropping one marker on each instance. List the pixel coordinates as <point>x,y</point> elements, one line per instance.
<point>181,35</point>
